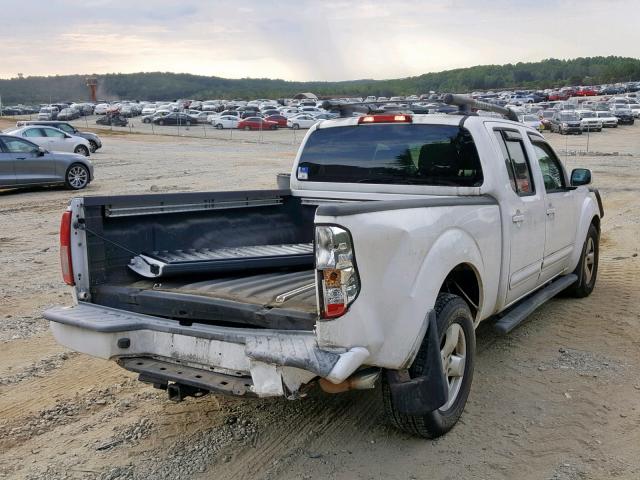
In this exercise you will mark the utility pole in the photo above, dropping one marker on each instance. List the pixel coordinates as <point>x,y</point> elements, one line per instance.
<point>0,105</point>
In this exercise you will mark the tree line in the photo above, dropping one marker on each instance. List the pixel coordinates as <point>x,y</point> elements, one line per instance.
<point>550,73</point>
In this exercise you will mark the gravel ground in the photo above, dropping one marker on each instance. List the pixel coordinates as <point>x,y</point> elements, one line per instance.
<point>557,399</point>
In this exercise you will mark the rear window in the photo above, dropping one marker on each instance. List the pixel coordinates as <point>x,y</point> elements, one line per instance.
<point>392,154</point>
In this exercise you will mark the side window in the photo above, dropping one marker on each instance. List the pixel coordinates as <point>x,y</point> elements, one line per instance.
<point>50,132</point>
<point>16,145</point>
<point>66,128</point>
<point>513,150</point>
<point>552,171</point>
<point>33,132</point>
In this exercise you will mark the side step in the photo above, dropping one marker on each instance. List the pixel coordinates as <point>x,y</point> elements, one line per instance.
<point>522,310</point>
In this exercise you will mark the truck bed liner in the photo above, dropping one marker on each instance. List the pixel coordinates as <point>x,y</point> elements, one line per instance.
<point>206,260</point>
<point>282,299</point>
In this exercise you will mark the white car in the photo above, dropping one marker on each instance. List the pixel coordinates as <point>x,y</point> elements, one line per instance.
<point>48,113</point>
<point>531,121</point>
<point>589,121</point>
<point>224,121</point>
<point>301,121</point>
<point>635,109</point>
<point>101,108</point>
<point>608,119</point>
<point>149,110</point>
<point>53,139</point>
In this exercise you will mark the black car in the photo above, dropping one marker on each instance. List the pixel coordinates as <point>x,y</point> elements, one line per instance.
<point>114,120</point>
<point>566,121</point>
<point>624,116</point>
<point>175,118</point>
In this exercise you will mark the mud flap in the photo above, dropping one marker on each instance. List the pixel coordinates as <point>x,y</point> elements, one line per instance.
<point>421,395</point>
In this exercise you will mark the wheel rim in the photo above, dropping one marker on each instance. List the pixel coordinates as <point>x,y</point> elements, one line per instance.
<point>81,151</point>
<point>453,354</point>
<point>589,260</point>
<point>77,176</point>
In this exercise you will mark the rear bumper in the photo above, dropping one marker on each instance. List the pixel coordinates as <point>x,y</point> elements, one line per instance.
<point>277,362</point>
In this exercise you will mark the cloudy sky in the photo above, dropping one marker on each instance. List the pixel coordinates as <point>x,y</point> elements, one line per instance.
<point>306,39</point>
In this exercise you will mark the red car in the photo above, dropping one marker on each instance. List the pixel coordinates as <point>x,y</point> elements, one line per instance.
<point>256,123</point>
<point>586,92</point>
<point>281,120</point>
<point>557,95</point>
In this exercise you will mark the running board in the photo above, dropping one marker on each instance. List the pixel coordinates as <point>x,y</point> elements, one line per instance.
<point>521,311</point>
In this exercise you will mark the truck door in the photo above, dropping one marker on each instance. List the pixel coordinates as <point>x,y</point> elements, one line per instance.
<point>560,208</point>
<point>525,218</point>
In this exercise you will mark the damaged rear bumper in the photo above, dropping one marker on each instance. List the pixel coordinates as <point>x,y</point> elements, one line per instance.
<point>228,360</point>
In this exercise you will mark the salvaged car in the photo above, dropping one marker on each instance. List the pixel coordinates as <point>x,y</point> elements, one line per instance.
<point>396,237</point>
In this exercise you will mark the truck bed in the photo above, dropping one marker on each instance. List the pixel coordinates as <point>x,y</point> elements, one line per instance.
<point>230,258</point>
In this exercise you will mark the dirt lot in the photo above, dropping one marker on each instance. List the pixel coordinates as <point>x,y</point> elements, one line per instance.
<point>557,399</point>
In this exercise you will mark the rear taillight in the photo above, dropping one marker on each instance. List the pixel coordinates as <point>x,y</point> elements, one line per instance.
<point>65,248</point>
<point>338,279</point>
<point>385,119</point>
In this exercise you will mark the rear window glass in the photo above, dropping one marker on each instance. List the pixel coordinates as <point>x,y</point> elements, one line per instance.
<point>392,154</point>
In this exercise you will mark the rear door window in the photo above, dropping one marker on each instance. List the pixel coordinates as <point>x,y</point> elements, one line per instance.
<point>516,161</point>
<point>416,154</point>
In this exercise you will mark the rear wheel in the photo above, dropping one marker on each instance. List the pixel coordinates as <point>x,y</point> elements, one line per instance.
<point>161,122</point>
<point>247,127</point>
<point>219,126</point>
<point>457,351</point>
<point>587,269</point>
<point>81,150</point>
<point>76,177</point>
<point>295,126</point>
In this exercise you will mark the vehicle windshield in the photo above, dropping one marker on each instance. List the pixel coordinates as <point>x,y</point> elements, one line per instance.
<point>588,115</point>
<point>392,154</point>
<point>568,116</point>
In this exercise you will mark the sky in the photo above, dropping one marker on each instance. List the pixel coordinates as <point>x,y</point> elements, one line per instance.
<point>306,39</point>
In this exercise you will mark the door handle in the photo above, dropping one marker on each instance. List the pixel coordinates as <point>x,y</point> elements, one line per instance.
<point>518,218</point>
<point>551,211</point>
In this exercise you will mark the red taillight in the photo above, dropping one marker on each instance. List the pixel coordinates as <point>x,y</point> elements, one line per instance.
<point>338,279</point>
<point>65,248</point>
<point>385,119</point>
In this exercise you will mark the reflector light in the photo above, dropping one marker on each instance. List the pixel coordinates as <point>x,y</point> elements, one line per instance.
<point>385,119</point>
<point>65,248</point>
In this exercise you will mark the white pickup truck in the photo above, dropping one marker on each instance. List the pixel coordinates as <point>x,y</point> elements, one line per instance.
<point>398,235</point>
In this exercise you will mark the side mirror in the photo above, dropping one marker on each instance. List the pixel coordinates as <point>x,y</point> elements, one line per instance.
<point>580,176</point>
<point>41,151</point>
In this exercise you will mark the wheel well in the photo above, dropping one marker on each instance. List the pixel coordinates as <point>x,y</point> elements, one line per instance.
<point>596,223</point>
<point>463,281</point>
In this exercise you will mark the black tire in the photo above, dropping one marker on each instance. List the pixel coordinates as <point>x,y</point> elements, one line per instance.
<point>247,127</point>
<point>587,270</point>
<point>295,126</point>
<point>93,146</point>
<point>76,177</point>
<point>449,309</point>
<point>146,120</point>
<point>161,122</point>
<point>219,126</point>
<point>81,150</point>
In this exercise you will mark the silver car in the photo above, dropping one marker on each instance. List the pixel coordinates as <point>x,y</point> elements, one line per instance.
<point>23,163</point>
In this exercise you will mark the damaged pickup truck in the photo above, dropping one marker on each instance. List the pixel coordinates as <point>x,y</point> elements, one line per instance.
<point>398,235</point>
